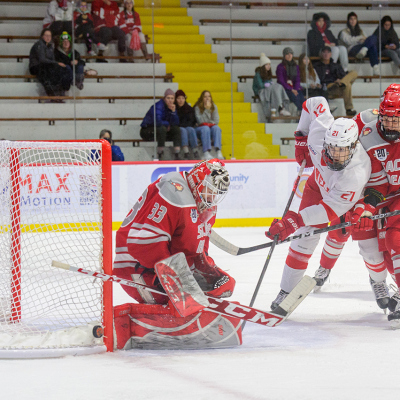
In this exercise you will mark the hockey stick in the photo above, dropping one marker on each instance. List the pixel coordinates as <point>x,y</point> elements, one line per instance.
<point>238,251</point>
<point>275,241</point>
<point>219,306</point>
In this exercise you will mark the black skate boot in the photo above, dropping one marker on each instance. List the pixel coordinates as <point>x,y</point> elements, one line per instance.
<point>381,292</point>
<point>281,296</point>
<point>321,275</point>
<point>394,306</point>
<point>394,301</point>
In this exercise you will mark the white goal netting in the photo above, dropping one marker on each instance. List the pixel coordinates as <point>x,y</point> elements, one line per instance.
<point>51,209</point>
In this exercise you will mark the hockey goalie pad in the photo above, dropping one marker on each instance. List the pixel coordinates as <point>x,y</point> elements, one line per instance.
<point>180,286</point>
<point>148,326</point>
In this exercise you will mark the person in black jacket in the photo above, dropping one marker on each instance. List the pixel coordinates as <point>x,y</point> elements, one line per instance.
<point>389,40</point>
<point>53,75</point>
<point>187,123</point>
<point>320,35</point>
<point>63,54</point>
<point>335,80</point>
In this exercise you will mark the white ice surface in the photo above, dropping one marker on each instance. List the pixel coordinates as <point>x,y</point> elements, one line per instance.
<point>336,345</point>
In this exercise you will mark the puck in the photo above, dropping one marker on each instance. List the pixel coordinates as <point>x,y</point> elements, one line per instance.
<point>98,331</point>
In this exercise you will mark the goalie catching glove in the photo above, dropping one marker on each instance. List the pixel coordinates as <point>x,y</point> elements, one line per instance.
<point>301,149</point>
<point>286,226</point>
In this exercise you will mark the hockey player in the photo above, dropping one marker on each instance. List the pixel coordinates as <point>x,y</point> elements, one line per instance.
<point>341,170</point>
<point>382,143</point>
<point>336,240</point>
<point>174,214</point>
<point>171,222</point>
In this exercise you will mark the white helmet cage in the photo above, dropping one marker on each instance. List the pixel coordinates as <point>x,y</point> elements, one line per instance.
<point>340,143</point>
<point>209,181</point>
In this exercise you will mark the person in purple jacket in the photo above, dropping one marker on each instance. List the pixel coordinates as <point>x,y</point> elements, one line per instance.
<point>288,75</point>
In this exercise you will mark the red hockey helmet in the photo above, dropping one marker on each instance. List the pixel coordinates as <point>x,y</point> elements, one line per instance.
<point>209,183</point>
<point>389,116</point>
<point>394,87</point>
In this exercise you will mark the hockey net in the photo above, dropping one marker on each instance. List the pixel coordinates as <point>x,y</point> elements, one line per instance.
<point>55,200</point>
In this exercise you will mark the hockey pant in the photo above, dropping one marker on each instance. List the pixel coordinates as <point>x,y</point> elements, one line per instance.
<point>211,279</point>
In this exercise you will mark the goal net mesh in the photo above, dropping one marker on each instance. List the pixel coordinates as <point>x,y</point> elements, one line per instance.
<point>50,209</point>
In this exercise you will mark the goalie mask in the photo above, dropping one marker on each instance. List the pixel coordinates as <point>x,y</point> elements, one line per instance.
<point>209,183</point>
<point>340,144</point>
<point>389,116</point>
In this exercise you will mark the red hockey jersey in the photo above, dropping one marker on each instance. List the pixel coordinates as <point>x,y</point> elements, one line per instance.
<point>103,14</point>
<point>385,160</point>
<point>128,22</point>
<point>164,221</point>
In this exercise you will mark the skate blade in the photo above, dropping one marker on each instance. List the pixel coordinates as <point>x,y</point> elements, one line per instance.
<point>395,323</point>
<point>317,289</point>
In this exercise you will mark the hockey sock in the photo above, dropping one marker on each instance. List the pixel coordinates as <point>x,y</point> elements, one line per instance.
<point>295,266</point>
<point>330,253</point>
<point>373,259</point>
<point>393,247</point>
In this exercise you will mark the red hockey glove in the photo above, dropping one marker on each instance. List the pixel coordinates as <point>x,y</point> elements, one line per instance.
<point>301,150</point>
<point>286,226</point>
<point>341,235</point>
<point>362,210</point>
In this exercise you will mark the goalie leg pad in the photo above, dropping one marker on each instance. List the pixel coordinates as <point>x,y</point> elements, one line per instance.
<point>144,326</point>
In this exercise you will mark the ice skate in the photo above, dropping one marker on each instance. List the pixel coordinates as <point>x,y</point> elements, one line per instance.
<point>394,307</point>
<point>381,292</point>
<point>321,275</point>
<point>281,296</point>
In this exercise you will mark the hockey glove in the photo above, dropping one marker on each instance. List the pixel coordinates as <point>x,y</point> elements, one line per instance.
<point>366,207</point>
<point>301,149</point>
<point>286,226</point>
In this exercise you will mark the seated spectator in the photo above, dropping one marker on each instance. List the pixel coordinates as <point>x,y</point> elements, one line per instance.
<point>208,131</point>
<point>389,40</point>
<point>84,27</point>
<point>59,17</point>
<point>320,35</point>
<point>167,124</point>
<point>357,44</point>
<point>104,13</point>
<point>116,153</point>
<point>63,54</point>
<point>288,75</point>
<point>338,83</point>
<point>54,76</point>
<point>129,21</point>
<point>272,95</point>
<point>187,124</point>
<point>310,79</point>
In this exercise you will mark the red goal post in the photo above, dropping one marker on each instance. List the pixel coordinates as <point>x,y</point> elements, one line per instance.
<point>56,203</point>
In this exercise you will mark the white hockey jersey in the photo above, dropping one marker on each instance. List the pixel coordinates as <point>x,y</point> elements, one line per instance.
<point>340,190</point>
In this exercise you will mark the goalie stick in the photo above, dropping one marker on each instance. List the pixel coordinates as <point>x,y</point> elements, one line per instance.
<point>230,248</point>
<point>221,306</point>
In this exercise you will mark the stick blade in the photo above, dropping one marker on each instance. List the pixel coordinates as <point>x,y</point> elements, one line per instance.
<point>223,244</point>
<point>296,296</point>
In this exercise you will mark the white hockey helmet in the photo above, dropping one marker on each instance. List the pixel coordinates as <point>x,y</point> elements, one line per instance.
<point>209,182</point>
<point>340,143</point>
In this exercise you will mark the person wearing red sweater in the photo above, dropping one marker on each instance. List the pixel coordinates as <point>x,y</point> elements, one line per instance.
<point>104,14</point>
<point>129,21</point>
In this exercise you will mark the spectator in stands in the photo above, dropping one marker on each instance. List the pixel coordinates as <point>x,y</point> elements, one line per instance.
<point>208,131</point>
<point>320,35</point>
<point>167,124</point>
<point>63,54</point>
<point>337,82</point>
<point>310,79</point>
<point>59,17</point>
<point>84,27</point>
<point>357,44</point>
<point>54,76</point>
<point>104,14</point>
<point>129,21</point>
<point>187,124</point>
<point>389,40</point>
<point>288,75</point>
<point>116,153</point>
<point>272,95</point>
